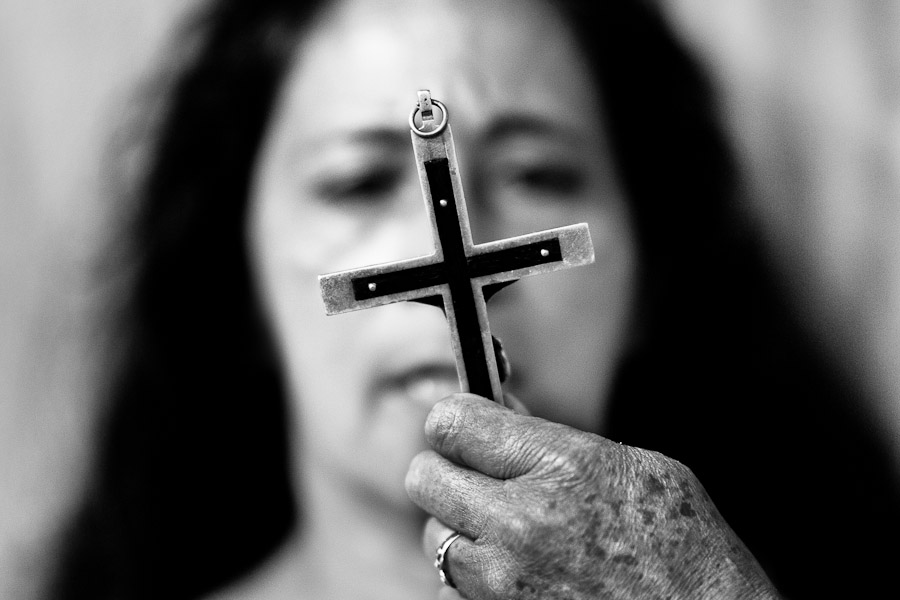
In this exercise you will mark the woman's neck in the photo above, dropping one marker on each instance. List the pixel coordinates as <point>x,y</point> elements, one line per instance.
<point>362,546</point>
<point>349,546</point>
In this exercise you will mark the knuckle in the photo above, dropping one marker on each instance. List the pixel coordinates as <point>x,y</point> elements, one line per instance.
<point>533,518</point>
<point>669,485</point>
<point>581,455</point>
<point>665,465</point>
<point>524,451</point>
<point>496,577</point>
<point>519,527</point>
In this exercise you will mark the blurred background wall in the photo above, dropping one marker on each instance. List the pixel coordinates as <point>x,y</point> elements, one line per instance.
<point>67,68</point>
<point>811,95</point>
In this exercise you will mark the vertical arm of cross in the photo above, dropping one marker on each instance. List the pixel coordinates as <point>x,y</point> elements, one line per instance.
<point>464,302</point>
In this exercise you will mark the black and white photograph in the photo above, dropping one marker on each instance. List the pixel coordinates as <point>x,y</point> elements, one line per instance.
<point>443,300</point>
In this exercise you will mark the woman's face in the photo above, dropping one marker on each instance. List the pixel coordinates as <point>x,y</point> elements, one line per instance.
<point>336,187</point>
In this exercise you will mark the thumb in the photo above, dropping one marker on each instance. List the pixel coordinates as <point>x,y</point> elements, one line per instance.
<point>475,432</point>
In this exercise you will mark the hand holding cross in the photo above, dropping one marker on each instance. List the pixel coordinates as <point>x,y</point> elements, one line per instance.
<point>460,276</point>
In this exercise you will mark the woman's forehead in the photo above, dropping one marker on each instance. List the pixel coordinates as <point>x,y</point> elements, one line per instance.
<point>363,61</point>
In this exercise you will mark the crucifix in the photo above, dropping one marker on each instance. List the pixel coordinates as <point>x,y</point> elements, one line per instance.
<point>460,276</point>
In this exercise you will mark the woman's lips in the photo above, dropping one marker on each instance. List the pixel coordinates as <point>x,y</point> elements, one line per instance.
<point>422,385</point>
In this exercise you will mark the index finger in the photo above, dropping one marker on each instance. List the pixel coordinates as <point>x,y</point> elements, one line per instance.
<point>480,434</point>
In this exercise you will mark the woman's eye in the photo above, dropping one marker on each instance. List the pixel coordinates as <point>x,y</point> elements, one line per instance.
<point>549,180</point>
<point>366,187</point>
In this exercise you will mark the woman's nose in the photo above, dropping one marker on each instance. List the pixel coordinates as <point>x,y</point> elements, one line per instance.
<point>408,231</point>
<point>484,219</point>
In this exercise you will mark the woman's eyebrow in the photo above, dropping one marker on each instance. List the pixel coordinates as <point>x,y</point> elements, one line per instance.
<point>385,138</point>
<point>513,125</point>
<point>382,136</point>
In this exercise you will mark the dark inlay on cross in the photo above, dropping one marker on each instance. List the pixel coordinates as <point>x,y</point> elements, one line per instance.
<point>459,276</point>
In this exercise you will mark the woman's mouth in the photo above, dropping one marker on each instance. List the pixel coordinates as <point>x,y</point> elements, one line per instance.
<point>423,385</point>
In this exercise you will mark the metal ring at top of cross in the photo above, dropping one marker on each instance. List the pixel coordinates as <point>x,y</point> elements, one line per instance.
<point>424,107</point>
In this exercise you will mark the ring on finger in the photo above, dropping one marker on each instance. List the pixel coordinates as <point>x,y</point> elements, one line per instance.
<point>440,557</point>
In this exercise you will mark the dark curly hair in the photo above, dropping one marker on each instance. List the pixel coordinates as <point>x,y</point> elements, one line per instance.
<point>191,487</point>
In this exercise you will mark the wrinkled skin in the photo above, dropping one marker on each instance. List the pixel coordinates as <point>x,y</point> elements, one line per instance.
<point>548,511</point>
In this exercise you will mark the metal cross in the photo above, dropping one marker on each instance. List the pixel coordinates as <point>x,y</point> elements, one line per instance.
<point>459,276</point>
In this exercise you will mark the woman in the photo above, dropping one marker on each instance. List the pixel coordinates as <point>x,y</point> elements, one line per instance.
<point>283,155</point>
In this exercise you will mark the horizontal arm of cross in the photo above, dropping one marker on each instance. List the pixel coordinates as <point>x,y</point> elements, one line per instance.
<point>488,264</point>
<point>338,289</point>
<point>567,247</point>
